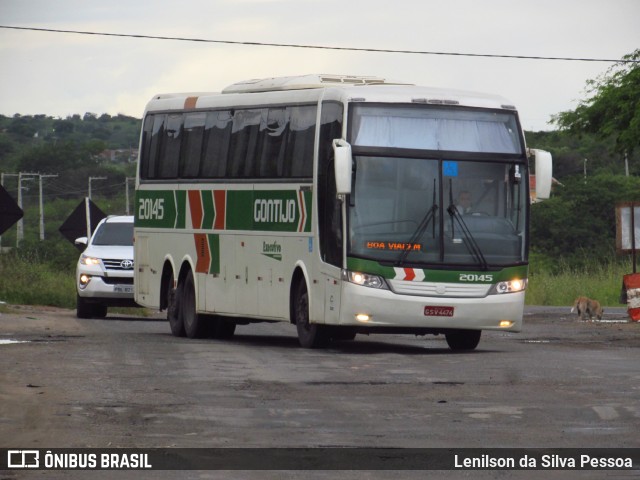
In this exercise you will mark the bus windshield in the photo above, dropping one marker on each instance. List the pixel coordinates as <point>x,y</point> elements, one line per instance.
<point>437,209</point>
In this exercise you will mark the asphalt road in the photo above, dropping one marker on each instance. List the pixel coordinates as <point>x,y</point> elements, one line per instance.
<point>126,382</point>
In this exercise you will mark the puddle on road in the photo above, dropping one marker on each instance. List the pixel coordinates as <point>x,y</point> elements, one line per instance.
<point>6,341</point>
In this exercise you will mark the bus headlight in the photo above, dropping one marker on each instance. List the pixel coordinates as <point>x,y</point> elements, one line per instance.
<point>364,279</point>
<point>511,286</point>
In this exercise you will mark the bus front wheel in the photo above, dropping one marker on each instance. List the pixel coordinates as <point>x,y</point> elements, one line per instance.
<point>463,339</point>
<point>310,335</point>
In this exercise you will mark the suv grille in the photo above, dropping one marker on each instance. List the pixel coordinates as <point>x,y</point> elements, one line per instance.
<point>119,265</point>
<point>118,280</point>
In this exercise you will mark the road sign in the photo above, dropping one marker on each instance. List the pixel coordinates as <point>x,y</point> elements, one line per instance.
<point>10,212</point>
<point>75,225</point>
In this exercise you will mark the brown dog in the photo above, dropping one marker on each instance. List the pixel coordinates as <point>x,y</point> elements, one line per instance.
<point>586,306</point>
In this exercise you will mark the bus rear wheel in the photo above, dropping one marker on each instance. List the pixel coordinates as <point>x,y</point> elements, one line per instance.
<point>310,335</point>
<point>463,339</point>
<point>195,325</point>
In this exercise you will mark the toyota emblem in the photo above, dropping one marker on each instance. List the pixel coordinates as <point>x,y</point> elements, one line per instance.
<point>126,264</point>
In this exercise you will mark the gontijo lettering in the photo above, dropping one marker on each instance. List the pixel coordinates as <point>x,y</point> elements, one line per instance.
<point>274,211</point>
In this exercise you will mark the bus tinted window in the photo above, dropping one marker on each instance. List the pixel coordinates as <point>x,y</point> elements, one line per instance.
<point>245,143</point>
<point>217,136</point>
<point>329,208</point>
<point>275,142</point>
<point>192,144</point>
<point>300,142</point>
<point>147,130</point>
<point>170,153</point>
<point>154,147</point>
<point>271,162</point>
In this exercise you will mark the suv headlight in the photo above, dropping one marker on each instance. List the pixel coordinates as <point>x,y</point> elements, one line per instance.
<point>364,279</point>
<point>86,260</point>
<point>511,286</point>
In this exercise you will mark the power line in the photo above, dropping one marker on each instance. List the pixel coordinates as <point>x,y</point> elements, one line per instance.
<point>320,47</point>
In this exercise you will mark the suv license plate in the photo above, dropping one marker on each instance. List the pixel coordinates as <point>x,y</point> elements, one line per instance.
<point>123,289</point>
<point>430,311</point>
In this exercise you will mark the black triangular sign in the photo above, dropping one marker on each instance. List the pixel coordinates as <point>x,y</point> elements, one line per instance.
<point>75,225</point>
<point>10,212</point>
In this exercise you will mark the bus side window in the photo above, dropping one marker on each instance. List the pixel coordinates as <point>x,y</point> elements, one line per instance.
<point>192,145</point>
<point>217,138</point>
<point>300,142</point>
<point>271,162</point>
<point>329,208</point>
<point>147,132</point>
<point>244,143</point>
<point>170,152</point>
<point>157,133</point>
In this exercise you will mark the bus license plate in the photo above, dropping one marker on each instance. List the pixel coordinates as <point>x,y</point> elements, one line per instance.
<point>123,289</point>
<point>430,311</point>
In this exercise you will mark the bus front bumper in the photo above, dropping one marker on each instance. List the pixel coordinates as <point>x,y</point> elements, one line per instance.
<point>377,308</point>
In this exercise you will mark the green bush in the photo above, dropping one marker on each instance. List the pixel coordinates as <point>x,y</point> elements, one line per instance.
<point>26,280</point>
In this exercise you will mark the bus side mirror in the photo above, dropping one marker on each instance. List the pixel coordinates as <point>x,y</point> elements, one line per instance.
<point>544,173</point>
<point>343,163</point>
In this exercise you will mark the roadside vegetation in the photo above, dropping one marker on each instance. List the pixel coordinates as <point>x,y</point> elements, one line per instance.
<point>596,162</point>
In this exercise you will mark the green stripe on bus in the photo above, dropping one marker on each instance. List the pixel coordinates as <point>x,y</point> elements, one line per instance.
<point>181,201</point>
<point>441,276</point>
<point>209,212</point>
<point>250,210</point>
<point>214,249</point>
<point>155,209</point>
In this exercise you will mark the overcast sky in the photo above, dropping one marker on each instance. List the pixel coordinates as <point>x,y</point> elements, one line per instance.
<point>61,74</point>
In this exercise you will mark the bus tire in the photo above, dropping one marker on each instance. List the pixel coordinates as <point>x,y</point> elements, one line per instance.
<point>310,335</point>
<point>173,310</point>
<point>195,325</point>
<point>463,339</point>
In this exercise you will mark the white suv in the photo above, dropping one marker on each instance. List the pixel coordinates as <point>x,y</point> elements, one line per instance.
<point>104,276</point>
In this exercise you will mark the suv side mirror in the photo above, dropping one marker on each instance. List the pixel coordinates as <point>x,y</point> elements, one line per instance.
<point>343,163</point>
<point>80,241</point>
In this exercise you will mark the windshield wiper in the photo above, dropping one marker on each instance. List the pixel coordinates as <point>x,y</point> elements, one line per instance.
<point>471,243</point>
<point>428,217</point>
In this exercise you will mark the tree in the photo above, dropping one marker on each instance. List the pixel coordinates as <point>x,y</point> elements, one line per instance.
<point>578,222</point>
<point>613,107</point>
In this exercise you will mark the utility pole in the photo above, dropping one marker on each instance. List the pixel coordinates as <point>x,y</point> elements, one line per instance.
<point>626,164</point>
<point>87,204</point>
<point>126,183</point>
<point>20,231</point>
<point>585,171</point>
<point>42,206</point>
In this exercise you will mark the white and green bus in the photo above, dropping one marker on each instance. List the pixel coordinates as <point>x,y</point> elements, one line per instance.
<point>340,204</point>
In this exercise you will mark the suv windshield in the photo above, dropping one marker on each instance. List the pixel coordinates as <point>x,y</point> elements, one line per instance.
<point>112,233</point>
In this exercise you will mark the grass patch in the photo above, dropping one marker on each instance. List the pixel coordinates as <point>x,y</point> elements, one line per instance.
<point>24,281</point>
<point>561,286</point>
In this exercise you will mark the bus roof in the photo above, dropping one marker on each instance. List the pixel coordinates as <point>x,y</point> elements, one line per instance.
<point>310,88</point>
